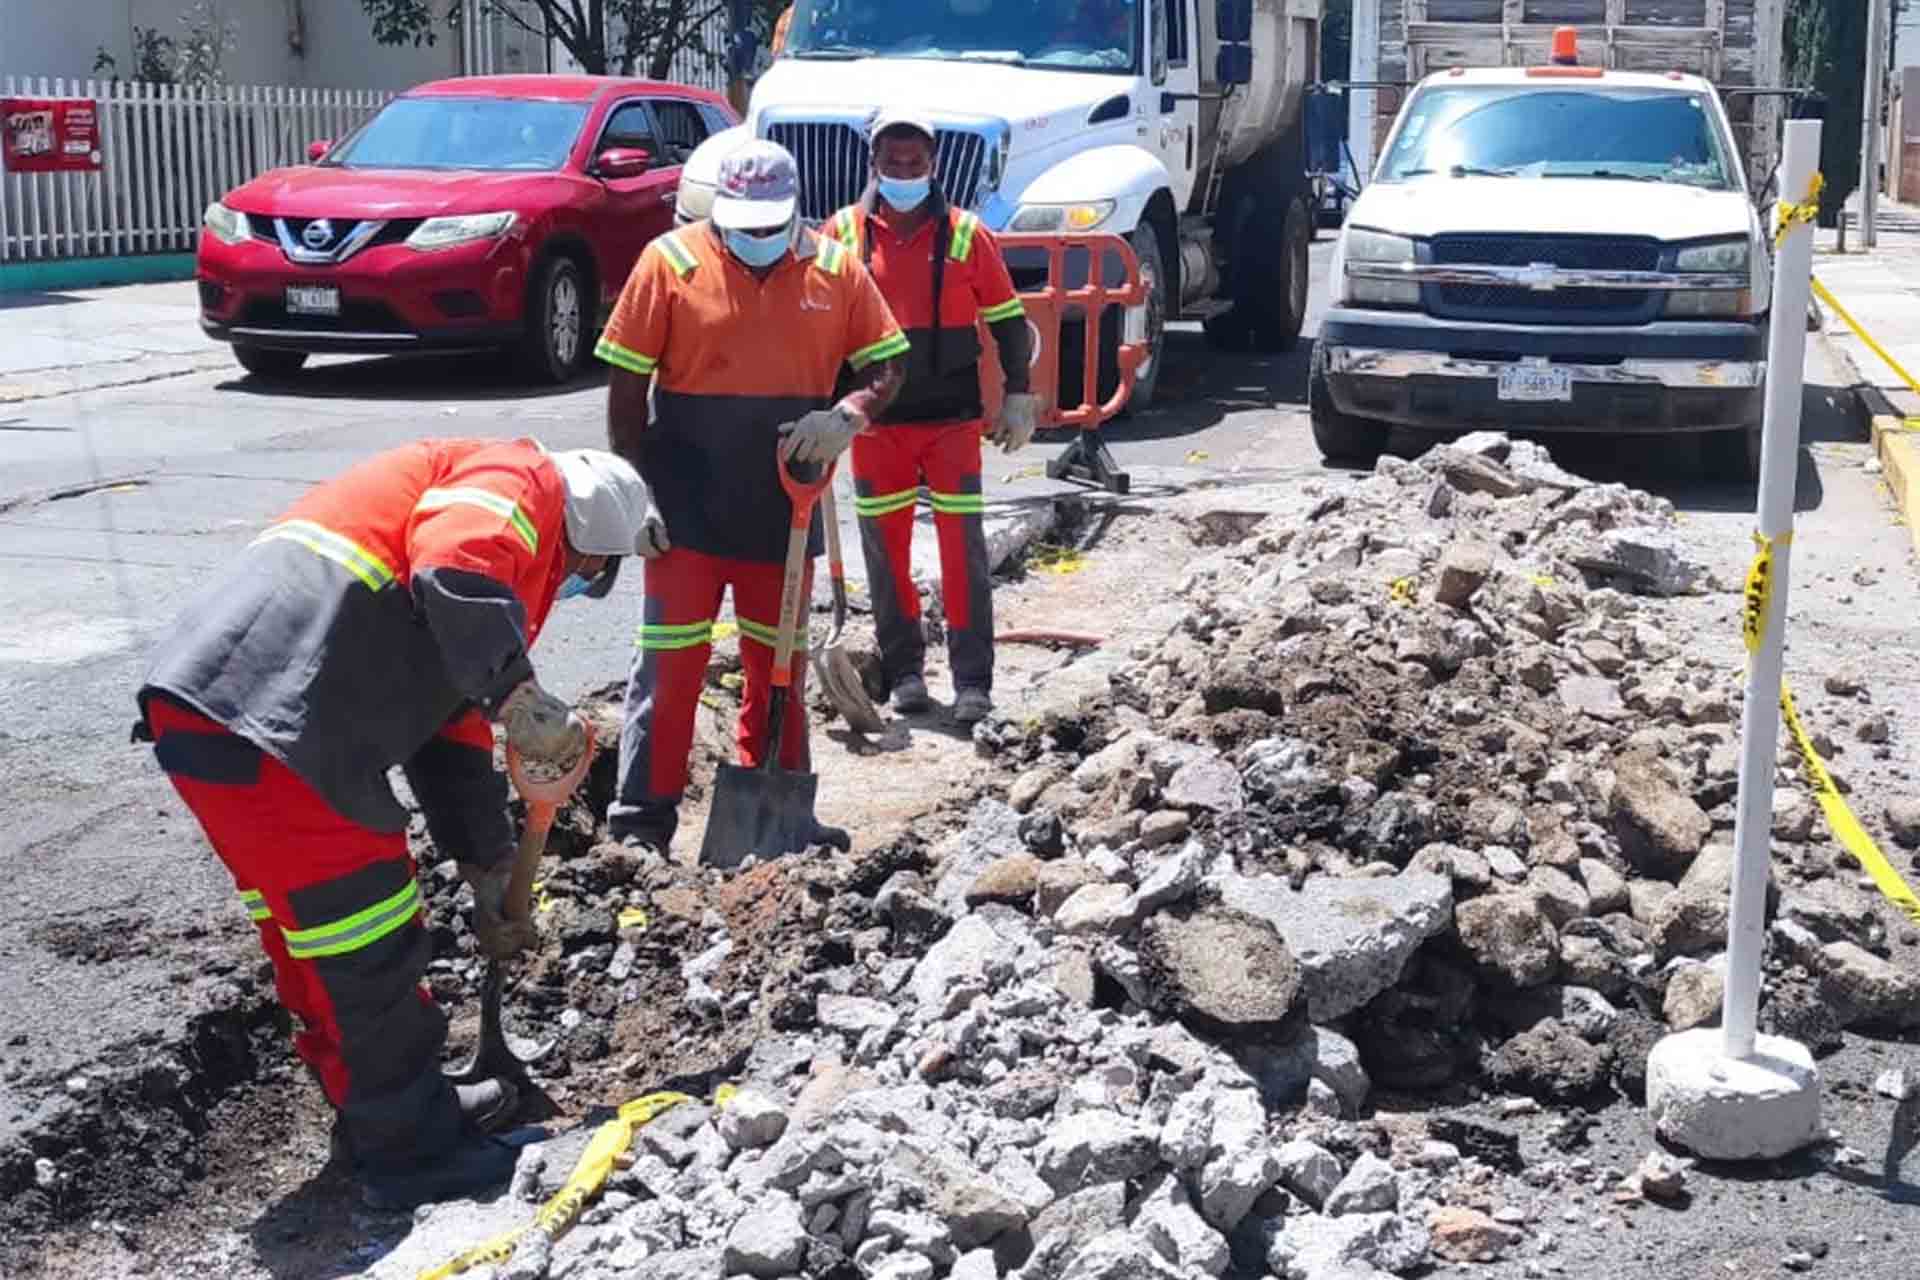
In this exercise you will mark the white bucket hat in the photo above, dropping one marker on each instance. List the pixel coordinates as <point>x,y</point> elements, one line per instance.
<point>606,508</point>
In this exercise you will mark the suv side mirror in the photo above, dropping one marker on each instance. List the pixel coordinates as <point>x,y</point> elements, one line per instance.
<point>622,162</point>
<point>316,151</point>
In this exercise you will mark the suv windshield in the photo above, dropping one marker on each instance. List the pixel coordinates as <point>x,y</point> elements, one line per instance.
<point>1649,135</point>
<point>1084,35</point>
<point>464,133</point>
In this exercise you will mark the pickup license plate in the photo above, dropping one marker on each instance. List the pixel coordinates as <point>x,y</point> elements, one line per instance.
<point>324,300</point>
<point>1535,382</point>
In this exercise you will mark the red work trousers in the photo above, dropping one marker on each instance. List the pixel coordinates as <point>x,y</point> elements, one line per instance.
<point>889,465</point>
<point>339,914</point>
<point>683,593</point>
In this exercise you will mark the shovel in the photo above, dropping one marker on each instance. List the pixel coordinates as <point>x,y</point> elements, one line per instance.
<point>499,1054</point>
<point>769,810</point>
<point>833,664</point>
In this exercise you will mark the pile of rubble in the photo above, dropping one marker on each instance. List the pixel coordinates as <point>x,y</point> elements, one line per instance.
<point>1426,793</point>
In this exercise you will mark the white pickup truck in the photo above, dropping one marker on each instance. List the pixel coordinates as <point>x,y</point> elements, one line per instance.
<point>1551,247</point>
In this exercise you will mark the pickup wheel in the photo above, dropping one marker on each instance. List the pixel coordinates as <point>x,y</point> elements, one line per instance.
<point>269,362</point>
<point>555,343</point>
<point>1341,437</point>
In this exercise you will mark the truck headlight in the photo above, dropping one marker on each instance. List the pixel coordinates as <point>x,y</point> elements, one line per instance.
<point>1379,249</point>
<point>227,225</point>
<point>1054,218</point>
<point>444,233</point>
<point>1727,257</point>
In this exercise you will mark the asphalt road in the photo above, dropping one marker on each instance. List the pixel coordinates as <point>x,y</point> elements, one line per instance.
<point>116,505</point>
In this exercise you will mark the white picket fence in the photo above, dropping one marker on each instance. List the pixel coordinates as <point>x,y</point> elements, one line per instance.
<point>166,152</point>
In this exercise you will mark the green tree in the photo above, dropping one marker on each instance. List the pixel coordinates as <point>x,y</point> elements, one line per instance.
<point>1826,49</point>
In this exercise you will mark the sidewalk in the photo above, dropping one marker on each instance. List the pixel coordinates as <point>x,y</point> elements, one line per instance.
<point>1881,291</point>
<point>52,344</point>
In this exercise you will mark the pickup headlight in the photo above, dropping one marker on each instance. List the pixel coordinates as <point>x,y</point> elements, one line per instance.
<point>1054,218</point>
<point>227,225</point>
<point>1378,248</point>
<point>444,233</point>
<point>1725,257</point>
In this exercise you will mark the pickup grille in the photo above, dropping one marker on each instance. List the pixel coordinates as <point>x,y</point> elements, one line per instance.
<point>1498,302</point>
<point>835,162</point>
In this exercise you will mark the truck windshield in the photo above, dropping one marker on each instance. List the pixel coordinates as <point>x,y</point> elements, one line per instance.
<point>1648,135</point>
<point>1084,35</point>
<point>464,133</point>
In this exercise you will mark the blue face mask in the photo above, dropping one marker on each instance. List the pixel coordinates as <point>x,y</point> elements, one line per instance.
<point>905,194</point>
<point>575,585</point>
<point>758,251</point>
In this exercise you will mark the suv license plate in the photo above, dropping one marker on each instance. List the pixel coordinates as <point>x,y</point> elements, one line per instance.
<point>1535,382</point>
<point>324,300</point>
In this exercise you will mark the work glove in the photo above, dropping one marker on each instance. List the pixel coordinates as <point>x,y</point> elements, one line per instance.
<point>1019,416</point>
<point>822,435</point>
<point>542,728</point>
<point>499,937</point>
<point>652,542</point>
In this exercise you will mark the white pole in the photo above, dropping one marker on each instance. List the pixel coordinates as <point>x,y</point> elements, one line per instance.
<point>1876,73</point>
<point>1760,718</point>
<point>1363,63</point>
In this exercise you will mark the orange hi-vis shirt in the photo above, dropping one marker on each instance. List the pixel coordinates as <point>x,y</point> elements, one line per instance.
<point>732,358</point>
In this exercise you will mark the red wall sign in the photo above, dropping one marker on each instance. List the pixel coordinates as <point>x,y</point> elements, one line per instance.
<point>49,135</point>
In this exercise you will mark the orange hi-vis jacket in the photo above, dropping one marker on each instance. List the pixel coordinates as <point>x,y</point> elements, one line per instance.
<point>370,624</point>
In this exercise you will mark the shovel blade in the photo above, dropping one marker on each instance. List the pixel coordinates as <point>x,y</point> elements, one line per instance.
<point>498,1052</point>
<point>768,812</point>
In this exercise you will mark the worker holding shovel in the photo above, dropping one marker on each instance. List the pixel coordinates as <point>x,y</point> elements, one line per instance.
<point>739,327</point>
<point>384,621</point>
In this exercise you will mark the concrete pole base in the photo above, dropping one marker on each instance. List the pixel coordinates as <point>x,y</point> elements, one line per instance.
<point>1723,1108</point>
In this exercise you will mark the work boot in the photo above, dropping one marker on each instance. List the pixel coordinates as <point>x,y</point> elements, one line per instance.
<point>478,1164</point>
<point>488,1106</point>
<point>834,837</point>
<point>910,696</point>
<point>971,706</point>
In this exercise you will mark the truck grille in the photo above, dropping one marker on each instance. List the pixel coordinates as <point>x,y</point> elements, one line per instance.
<point>834,161</point>
<point>1492,302</point>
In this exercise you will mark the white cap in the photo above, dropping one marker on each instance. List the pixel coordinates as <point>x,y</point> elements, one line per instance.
<point>759,186</point>
<point>606,502</point>
<point>901,118</point>
<point>700,175</point>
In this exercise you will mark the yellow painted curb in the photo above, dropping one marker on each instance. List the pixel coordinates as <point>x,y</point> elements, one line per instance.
<point>1900,467</point>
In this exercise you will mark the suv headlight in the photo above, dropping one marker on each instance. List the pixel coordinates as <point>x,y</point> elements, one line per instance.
<point>444,233</point>
<point>1725,257</point>
<point>1374,249</point>
<point>1052,218</point>
<point>227,225</point>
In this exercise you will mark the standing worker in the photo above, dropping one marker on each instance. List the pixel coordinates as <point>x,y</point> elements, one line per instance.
<point>383,621</point>
<point>739,326</point>
<point>941,272</point>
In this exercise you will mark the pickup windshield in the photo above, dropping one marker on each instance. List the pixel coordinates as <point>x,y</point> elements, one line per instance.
<point>1647,135</point>
<point>1082,35</point>
<point>464,133</point>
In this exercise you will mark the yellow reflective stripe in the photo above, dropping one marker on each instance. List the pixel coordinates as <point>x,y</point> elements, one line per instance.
<point>894,344</point>
<point>361,929</point>
<point>848,230</point>
<point>961,246</point>
<point>958,503</point>
<point>1008,310</point>
<point>672,635</point>
<point>466,495</point>
<point>625,358</point>
<point>881,504</point>
<point>677,255</point>
<point>769,636</point>
<point>256,904</point>
<point>324,542</point>
<point>830,256</point>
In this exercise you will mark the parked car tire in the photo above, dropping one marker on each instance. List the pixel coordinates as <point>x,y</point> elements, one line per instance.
<point>555,344</point>
<point>1341,437</point>
<point>269,362</point>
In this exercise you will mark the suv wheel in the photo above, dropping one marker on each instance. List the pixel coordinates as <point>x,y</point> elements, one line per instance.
<point>555,344</point>
<point>1341,437</point>
<point>269,362</point>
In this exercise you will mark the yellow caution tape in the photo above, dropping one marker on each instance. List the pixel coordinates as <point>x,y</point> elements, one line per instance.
<point>1791,215</point>
<point>590,1174</point>
<point>542,901</point>
<point>1544,580</point>
<point>1825,295</point>
<point>1759,589</point>
<point>1846,828</point>
<point>1400,591</point>
<point>632,918</point>
<point>1197,455</point>
<point>724,1094</point>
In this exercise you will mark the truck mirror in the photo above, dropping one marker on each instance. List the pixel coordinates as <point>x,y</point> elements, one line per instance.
<point>1324,131</point>
<point>1234,65</point>
<point>1233,22</point>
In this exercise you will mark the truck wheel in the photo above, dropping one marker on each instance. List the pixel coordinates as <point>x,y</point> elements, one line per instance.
<point>555,342</point>
<point>1270,305</point>
<point>269,362</point>
<point>1146,383</point>
<point>1340,436</point>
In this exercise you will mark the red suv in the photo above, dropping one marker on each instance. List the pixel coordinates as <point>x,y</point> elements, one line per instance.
<point>471,214</point>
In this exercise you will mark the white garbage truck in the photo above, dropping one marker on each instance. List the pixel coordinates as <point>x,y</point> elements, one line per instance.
<point>1172,123</point>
